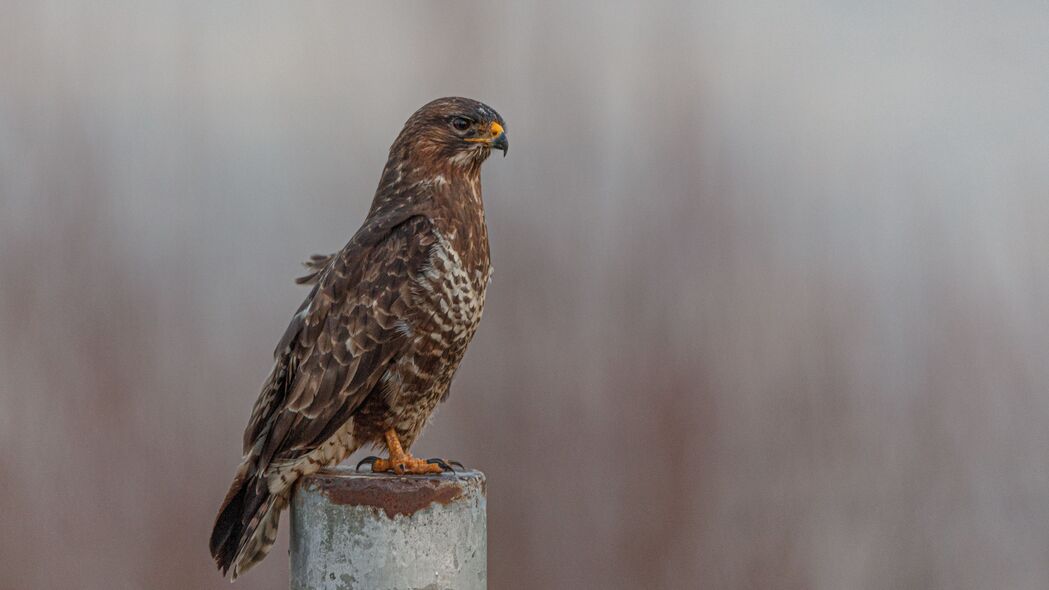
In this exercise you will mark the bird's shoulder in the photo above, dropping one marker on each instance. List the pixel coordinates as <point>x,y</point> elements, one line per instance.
<point>366,283</point>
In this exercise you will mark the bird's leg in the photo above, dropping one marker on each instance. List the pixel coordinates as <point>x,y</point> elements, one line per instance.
<point>401,462</point>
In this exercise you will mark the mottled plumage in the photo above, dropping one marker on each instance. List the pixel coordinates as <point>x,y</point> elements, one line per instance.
<point>375,344</point>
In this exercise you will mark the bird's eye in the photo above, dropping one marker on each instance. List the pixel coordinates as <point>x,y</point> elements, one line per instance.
<point>461,123</point>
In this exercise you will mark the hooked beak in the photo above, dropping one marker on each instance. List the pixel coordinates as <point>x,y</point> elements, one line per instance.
<point>500,143</point>
<point>496,138</point>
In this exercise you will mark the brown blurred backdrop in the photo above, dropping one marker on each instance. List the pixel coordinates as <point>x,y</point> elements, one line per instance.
<point>769,307</point>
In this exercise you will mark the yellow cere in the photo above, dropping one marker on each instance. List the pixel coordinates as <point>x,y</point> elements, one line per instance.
<point>495,130</point>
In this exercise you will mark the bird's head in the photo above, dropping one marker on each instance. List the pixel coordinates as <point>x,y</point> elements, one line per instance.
<point>457,131</point>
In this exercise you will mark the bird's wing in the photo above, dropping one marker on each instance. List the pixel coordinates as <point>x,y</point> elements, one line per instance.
<point>315,265</point>
<point>342,339</point>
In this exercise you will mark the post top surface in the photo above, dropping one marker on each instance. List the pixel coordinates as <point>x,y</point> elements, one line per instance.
<point>348,472</point>
<point>394,494</point>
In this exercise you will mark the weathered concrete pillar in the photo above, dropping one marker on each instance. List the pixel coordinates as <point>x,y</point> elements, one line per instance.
<point>363,531</point>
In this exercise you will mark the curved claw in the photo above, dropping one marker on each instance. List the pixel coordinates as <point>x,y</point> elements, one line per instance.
<point>458,464</point>
<point>443,464</point>
<point>369,460</point>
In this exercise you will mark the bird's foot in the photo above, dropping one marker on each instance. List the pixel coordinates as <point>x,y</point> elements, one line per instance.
<point>406,465</point>
<point>401,463</point>
<point>446,465</point>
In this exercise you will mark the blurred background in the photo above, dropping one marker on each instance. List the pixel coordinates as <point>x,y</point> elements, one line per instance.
<point>769,307</point>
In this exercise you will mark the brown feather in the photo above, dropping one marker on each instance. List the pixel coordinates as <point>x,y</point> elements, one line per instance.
<point>381,333</point>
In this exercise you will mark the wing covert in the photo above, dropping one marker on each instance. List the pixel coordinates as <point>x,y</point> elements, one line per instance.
<point>340,341</point>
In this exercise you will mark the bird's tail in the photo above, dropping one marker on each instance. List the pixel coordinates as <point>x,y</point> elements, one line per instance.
<point>246,525</point>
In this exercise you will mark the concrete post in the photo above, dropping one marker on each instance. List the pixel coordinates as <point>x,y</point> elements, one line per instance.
<point>365,531</point>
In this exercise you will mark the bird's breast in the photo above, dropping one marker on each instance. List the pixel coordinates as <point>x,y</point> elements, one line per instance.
<point>448,301</point>
<point>452,294</point>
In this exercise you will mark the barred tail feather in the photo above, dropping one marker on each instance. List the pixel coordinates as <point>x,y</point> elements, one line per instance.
<point>238,541</point>
<point>246,526</point>
<point>262,536</point>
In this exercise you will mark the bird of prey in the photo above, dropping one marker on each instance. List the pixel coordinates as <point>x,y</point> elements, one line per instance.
<point>373,348</point>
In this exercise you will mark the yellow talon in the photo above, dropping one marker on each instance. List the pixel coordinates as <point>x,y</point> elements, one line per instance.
<point>400,462</point>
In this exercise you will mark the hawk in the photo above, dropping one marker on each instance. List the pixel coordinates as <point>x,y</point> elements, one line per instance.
<point>373,348</point>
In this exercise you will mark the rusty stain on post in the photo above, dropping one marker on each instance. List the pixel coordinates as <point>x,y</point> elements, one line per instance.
<point>363,530</point>
<point>394,495</point>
